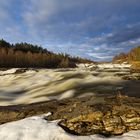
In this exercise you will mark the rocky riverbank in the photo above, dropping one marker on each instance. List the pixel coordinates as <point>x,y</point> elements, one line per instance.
<point>86,100</point>
<point>106,115</point>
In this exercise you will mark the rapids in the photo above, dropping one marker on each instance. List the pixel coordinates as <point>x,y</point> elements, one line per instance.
<point>48,84</point>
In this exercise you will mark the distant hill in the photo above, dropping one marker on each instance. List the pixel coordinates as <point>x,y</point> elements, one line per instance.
<point>28,55</point>
<point>133,57</point>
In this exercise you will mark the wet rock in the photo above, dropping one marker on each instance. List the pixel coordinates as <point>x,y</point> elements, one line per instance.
<point>135,76</point>
<point>23,70</point>
<point>19,71</point>
<point>107,115</point>
<point>114,116</point>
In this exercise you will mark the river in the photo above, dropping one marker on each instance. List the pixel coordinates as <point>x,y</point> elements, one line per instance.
<point>37,85</point>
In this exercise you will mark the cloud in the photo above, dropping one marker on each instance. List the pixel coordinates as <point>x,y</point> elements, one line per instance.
<point>104,46</point>
<point>129,33</point>
<point>4,14</point>
<point>10,24</point>
<point>71,20</point>
<point>101,56</point>
<point>94,29</point>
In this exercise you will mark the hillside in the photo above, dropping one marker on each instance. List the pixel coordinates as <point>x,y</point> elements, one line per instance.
<point>133,57</point>
<point>28,55</point>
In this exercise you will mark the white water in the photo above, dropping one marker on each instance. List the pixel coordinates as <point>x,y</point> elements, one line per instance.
<point>33,86</point>
<point>48,84</point>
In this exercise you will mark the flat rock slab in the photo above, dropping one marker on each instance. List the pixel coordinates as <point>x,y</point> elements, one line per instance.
<point>84,116</point>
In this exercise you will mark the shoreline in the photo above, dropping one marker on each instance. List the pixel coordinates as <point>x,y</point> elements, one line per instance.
<point>76,111</point>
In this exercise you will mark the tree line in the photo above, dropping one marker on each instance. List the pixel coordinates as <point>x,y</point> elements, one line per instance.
<point>28,55</point>
<point>133,55</point>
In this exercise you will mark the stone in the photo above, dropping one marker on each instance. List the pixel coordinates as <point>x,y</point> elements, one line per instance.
<point>106,115</point>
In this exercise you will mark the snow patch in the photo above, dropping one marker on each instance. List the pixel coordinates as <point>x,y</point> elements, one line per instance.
<point>38,128</point>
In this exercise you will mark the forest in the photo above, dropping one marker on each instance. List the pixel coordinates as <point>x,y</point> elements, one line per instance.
<point>26,55</point>
<point>133,55</point>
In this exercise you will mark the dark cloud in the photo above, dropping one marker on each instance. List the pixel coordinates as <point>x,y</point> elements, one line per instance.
<point>95,29</point>
<point>74,19</point>
<point>131,32</point>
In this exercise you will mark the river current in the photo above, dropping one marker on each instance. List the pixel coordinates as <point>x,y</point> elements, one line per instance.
<point>37,85</point>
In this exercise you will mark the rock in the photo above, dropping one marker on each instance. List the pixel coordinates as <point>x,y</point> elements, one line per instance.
<point>135,76</point>
<point>23,70</point>
<point>135,70</point>
<point>19,71</point>
<point>106,115</point>
<point>114,116</point>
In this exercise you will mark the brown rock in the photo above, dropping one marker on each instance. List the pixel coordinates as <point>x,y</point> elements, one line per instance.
<point>84,116</point>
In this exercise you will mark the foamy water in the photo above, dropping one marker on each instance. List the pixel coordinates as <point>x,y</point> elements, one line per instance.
<point>47,84</point>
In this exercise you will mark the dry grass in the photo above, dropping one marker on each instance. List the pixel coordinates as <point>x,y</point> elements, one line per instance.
<point>135,64</point>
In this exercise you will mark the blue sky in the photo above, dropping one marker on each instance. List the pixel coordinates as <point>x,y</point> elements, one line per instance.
<point>94,29</point>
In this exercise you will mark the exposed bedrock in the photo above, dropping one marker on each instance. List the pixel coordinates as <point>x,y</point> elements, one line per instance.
<point>111,115</point>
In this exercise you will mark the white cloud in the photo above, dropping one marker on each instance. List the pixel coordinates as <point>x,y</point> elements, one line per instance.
<point>4,14</point>
<point>101,56</point>
<point>84,28</point>
<point>69,20</point>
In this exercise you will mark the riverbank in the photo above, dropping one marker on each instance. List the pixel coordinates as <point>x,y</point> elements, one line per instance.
<point>104,115</point>
<point>92,101</point>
